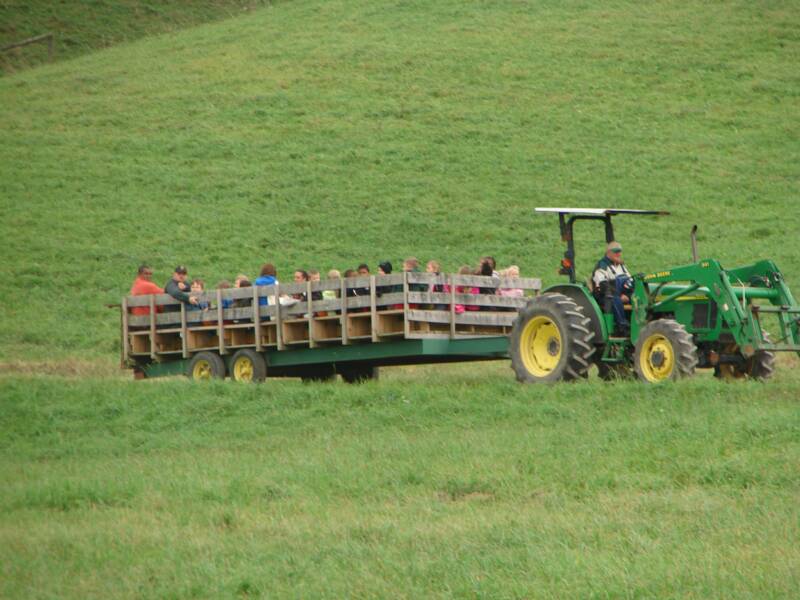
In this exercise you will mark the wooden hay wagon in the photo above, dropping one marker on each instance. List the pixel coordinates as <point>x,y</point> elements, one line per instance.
<point>358,325</point>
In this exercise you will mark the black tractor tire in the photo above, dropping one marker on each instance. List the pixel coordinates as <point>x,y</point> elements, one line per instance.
<point>551,340</point>
<point>206,365</point>
<point>357,373</point>
<point>665,351</point>
<point>247,366</point>
<point>318,373</point>
<point>760,366</point>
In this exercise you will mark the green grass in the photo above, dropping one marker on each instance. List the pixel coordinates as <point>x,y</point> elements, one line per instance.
<point>427,484</point>
<point>83,27</point>
<point>323,134</point>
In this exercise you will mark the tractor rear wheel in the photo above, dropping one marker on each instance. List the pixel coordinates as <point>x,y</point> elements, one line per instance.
<point>206,365</point>
<point>760,366</point>
<point>551,341</point>
<point>247,366</point>
<point>664,351</point>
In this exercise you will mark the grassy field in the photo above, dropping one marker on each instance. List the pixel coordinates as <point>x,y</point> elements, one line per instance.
<point>83,27</point>
<point>325,133</point>
<point>459,484</point>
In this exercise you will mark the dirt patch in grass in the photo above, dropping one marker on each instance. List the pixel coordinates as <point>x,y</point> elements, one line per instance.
<point>70,367</point>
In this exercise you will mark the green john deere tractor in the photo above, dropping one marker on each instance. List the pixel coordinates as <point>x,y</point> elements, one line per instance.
<point>682,318</point>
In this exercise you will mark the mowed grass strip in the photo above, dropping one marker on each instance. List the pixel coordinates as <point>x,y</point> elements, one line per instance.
<point>420,487</point>
<point>323,134</point>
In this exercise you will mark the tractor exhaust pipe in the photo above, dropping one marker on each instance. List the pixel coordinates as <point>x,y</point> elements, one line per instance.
<point>693,235</point>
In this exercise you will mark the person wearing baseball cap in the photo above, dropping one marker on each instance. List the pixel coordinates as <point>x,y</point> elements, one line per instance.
<point>179,289</point>
<point>613,285</point>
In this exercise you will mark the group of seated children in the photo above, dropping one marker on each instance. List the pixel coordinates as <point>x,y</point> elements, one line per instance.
<point>192,293</point>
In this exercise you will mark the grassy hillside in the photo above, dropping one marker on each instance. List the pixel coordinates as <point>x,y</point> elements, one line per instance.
<point>85,26</point>
<point>321,134</point>
<point>488,490</point>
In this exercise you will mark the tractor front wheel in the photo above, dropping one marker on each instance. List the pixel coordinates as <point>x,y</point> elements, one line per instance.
<point>551,341</point>
<point>664,351</point>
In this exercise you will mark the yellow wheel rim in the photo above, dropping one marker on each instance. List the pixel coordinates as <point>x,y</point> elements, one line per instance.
<point>201,370</point>
<point>657,359</point>
<point>243,369</point>
<point>540,346</point>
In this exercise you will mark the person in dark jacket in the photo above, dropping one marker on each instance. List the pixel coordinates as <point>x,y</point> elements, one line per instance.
<point>179,289</point>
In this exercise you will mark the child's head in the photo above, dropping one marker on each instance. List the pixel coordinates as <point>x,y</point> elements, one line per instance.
<point>267,269</point>
<point>512,272</point>
<point>245,283</point>
<point>350,273</point>
<point>239,279</point>
<point>433,266</point>
<point>313,274</point>
<point>198,285</point>
<point>410,263</point>
<point>334,274</point>
<point>490,260</point>
<point>485,269</point>
<point>384,268</point>
<point>224,285</point>
<point>363,269</point>
<point>465,270</point>
<point>300,276</point>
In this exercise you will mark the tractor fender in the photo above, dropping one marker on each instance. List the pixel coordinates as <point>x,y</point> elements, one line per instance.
<point>583,298</point>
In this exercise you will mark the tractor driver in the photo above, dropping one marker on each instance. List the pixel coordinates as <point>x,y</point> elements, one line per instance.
<point>613,285</point>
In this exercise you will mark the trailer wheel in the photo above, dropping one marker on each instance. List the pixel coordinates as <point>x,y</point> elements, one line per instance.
<point>206,365</point>
<point>664,351</point>
<point>248,365</point>
<point>357,373</point>
<point>551,340</point>
<point>760,366</point>
<point>318,373</point>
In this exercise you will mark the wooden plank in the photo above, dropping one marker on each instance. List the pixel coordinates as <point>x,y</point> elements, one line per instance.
<point>343,315</point>
<point>452,308</point>
<point>311,342</point>
<point>390,299</point>
<point>467,299</point>
<point>373,309</point>
<point>427,278</point>
<point>125,338</point>
<point>357,302</point>
<point>184,333</point>
<point>257,318</point>
<point>278,319</point>
<point>406,322</point>
<point>326,305</point>
<point>467,318</point>
<point>220,323</point>
<point>152,327</point>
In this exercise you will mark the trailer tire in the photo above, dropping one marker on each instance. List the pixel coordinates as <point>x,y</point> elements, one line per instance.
<point>551,340</point>
<point>357,373</point>
<point>664,351</point>
<point>247,366</point>
<point>318,373</point>
<point>206,365</point>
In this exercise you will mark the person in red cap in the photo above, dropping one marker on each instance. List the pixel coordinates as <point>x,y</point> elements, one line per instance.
<point>143,286</point>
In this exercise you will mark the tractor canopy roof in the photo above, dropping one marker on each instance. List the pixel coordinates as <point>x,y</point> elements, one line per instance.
<point>601,212</point>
